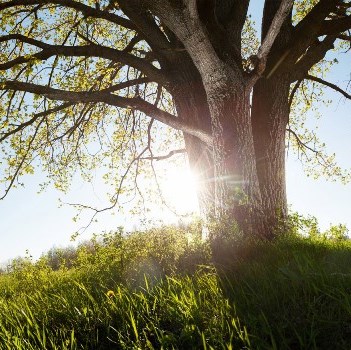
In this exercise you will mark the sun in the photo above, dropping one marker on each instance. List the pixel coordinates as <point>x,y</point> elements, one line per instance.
<point>179,190</point>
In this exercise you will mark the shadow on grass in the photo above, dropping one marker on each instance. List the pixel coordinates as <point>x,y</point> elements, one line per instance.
<point>294,293</point>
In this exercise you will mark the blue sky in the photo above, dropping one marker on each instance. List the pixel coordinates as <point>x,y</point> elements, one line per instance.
<point>33,221</point>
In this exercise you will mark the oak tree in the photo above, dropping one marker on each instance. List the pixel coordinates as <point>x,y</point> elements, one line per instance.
<point>97,77</point>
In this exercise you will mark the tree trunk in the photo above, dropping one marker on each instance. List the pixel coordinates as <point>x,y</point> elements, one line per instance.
<point>247,145</point>
<point>270,112</point>
<point>229,186</point>
<point>191,104</point>
<point>237,192</point>
<point>242,179</point>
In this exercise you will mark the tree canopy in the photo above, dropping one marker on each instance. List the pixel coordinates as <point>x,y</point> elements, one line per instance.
<point>86,83</point>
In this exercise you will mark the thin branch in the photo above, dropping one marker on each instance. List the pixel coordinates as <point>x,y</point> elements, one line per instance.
<point>88,11</point>
<point>112,100</point>
<point>302,146</point>
<point>300,142</point>
<point>33,119</point>
<point>19,167</point>
<point>127,84</point>
<point>293,92</point>
<point>331,85</point>
<point>115,198</point>
<point>169,155</point>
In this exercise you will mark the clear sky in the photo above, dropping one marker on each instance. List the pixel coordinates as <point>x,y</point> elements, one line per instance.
<point>33,221</point>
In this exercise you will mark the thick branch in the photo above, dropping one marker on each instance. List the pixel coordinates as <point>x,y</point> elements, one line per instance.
<point>231,14</point>
<point>344,37</point>
<point>331,85</point>
<point>336,26</point>
<point>306,33</point>
<point>24,39</point>
<point>314,54</point>
<point>91,50</point>
<point>145,23</point>
<point>274,29</point>
<point>226,41</point>
<point>184,21</point>
<point>113,100</point>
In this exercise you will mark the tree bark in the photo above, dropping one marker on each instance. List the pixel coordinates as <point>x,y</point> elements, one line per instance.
<point>191,104</point>
<point>229,188</point>
<point>270,113</point>
<point>237,193</point>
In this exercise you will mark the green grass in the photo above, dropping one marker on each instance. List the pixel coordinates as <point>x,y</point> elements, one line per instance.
<point>294,293</point>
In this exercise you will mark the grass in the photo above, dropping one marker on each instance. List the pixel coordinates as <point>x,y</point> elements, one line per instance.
<point>158,290</point>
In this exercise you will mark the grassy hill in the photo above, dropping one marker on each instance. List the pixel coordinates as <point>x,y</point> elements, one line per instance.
<point>159,290</point>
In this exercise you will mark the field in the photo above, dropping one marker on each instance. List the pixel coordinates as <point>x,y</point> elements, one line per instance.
<point>159,290</point>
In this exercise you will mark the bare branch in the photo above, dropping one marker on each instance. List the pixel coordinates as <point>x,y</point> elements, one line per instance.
<point>331,85</point>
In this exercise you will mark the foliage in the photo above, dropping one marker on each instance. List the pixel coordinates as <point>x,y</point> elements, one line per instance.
<point>157,290</point>
<point>71,139</point>
<point>91,85</point>
<point>308,226</point>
